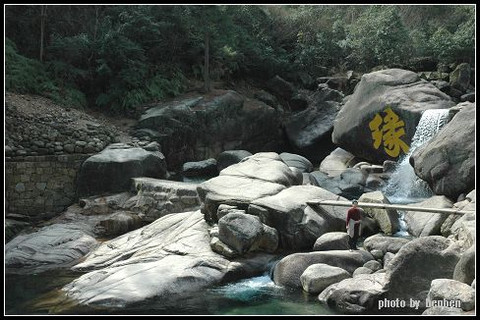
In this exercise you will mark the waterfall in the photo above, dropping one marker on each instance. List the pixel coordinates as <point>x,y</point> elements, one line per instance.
<point>404,185</point>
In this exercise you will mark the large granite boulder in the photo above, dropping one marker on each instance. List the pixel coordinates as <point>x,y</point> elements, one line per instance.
<point>167,259</point>
<point>467,203</point>
<point>298,224</point>
<point>421,224</point>
<point>246,233</point>
<point>111,170</point>
<point>384,243</point>
<point>287,271</point>
<point>320,275</point>
<point>464,231</point>
<point>357,295</point>
<point>384,102</point>
<point>204,168</point>
<point>337,240</point>
<point>229,157</point>
<point>336,162</point>
<point>387,218</point>
<point>447,161</point>
<point>350,183</point>
<point>465,268</point>
<point>455,292</point>
<point>460,77</point>
<point>419,262</point>
<point>51,247</point>
<point>202,127</point>
<point>257,176</point>
<point>297,161</point>
<point>71,235</point>
<point>156,198</point>
<point>309,131</point>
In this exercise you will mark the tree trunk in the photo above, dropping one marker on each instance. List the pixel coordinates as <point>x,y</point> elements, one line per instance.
<point>95,28</point>
<point>43,17</point>
<point>206,69</point>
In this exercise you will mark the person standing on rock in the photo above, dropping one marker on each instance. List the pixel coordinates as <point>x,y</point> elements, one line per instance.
<point>354,217</point>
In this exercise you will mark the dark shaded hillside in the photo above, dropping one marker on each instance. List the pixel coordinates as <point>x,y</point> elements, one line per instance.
<point>114,58</point>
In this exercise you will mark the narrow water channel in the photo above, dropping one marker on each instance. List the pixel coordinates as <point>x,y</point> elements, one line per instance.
<point>38,294</point>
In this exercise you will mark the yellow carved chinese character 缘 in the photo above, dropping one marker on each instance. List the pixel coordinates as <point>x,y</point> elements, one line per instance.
<point>390,133</point>
<point>376,132</point>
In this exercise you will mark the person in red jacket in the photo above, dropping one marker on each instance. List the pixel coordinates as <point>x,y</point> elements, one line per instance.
<point>354,217</point>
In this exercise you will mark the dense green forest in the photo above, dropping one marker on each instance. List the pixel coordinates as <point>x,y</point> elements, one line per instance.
<point>116,57</point>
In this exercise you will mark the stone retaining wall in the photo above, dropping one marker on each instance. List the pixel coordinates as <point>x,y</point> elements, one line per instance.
<point>41,184</point>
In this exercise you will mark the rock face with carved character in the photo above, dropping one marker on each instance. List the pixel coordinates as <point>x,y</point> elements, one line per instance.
<point>379,120</point>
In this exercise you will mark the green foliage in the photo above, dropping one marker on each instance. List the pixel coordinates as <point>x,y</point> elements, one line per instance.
<point>442,45</point>
<point>258,50</point>
<point>121,97</point>
<point>464,39</point>
<point>22,74</point>
<point>70,97</point>
<point>378,37</point>
<point>116,57</point>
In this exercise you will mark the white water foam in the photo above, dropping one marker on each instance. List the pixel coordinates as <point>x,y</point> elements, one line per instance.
<point>249,289</point>
<point>404,186</point>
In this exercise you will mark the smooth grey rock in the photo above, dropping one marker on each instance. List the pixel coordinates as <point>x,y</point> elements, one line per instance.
<point>465,268</point>
<point>332,241</point>
<point>373,265</point>
<point>319,276</point>
<point>297,161</point>
<point>244,233</point>
<point>447,165</point>
<point>421,224</point>
<point>206,167</point>
<point>112,169</point>
<point>458,293</point>
<point>336,162</point>
<point>229,157</point>
<point>298,224</point>
<point>50,247</point>
<point>419,262</point>
<point>257,176</point>
<point>361,270</point>
<point>288,270</point>
<point>384,243</point>
<point>168,258</point>
<point>387,219</point>
<point>355,295</point>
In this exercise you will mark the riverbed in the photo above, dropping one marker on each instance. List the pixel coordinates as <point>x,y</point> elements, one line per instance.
<point>40,294</point>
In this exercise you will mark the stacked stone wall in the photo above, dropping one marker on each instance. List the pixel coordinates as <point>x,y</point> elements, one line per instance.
<point>41,184</point>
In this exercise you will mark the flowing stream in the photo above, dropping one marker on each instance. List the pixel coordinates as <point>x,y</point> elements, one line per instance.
<point>38,294</point>
<point>404,186</point>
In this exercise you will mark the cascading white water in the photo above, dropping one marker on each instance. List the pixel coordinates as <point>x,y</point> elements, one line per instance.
<point>404,185</point>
